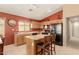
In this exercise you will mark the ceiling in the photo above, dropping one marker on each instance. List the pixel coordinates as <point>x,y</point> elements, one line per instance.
<point>34,11</point>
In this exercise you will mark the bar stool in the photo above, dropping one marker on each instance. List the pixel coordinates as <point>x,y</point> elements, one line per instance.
<point>43,46</point>
<point>52,43</point>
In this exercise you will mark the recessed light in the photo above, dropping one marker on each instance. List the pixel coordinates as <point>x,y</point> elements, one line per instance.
<point>49,10</point>
<point>35,5</point>
<point>30,9</point>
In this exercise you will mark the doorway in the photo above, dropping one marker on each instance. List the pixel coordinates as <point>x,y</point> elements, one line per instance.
<point>73,32</point>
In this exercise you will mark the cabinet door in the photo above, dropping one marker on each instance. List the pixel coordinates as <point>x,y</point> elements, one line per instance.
<point>19,40</point>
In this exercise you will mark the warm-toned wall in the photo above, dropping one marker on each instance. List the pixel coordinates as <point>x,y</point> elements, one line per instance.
<point>69,10</point>
<point>51,22</point>
<point>9,31</point>
<point>54,18</point>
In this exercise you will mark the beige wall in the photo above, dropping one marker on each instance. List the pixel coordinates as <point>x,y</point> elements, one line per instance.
<point>68,11</point>
<point>71,10</point>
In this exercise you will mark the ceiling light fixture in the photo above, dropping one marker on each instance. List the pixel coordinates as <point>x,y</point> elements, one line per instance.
<point>30,9</point>
<point>49,10</point>
<point>35,5</point>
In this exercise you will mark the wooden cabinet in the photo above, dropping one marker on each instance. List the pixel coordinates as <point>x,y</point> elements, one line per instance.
<point>19,39</point>
<point>31,42</point>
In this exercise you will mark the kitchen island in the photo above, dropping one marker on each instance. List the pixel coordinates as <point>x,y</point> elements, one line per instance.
<point>31,42</point>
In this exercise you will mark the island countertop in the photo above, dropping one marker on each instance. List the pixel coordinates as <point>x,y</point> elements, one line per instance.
<point>36,37</point>
<point>31,42</point>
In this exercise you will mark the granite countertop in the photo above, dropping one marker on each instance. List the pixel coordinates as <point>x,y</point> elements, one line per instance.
<point>20,33</point>
<point>36,37</point>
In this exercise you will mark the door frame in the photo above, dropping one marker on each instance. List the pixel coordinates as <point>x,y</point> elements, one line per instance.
<point>67,29</point>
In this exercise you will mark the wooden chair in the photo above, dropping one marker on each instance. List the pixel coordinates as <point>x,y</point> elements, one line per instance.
<point>1,45</point>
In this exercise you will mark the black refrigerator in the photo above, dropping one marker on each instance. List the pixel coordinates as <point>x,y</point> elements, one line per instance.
<point>58,30</point>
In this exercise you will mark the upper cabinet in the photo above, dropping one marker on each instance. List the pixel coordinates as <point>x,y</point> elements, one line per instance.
<point>35,24</point>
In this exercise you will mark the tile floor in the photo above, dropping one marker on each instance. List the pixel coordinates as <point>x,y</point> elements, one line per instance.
<point>21,50</point>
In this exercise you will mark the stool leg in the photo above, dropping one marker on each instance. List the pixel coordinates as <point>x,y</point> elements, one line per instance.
<point>51,50</point>
<point>54,49</point>
<point>36,50</point>
<point>42,51</point>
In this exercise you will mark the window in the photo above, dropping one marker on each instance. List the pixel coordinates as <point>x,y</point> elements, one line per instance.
<point>31,26</point>
<point>1,26</point>
<point>24,26</point>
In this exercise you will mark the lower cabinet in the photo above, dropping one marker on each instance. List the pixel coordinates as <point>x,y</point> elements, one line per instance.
<point>19,39</point>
